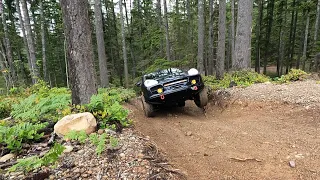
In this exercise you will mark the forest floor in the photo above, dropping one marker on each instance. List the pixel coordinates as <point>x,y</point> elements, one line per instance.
<point>264,131</point>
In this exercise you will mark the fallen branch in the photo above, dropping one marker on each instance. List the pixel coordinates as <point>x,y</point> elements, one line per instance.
<point>245,159</point>
<point>3,166</point>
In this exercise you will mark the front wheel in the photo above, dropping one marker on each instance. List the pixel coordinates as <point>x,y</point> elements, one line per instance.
<point>201,99</point>
<point>147,108</point>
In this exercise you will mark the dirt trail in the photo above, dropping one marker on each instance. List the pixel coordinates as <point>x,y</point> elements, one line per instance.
<point>247,140</point>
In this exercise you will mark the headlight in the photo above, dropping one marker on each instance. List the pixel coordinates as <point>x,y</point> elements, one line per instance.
<point>160,90</point>
<point>150,82</point>
<point>193,82</point>
<point>193,72</point>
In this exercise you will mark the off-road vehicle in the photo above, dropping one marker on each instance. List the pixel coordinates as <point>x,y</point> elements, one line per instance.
<point>171,87</point>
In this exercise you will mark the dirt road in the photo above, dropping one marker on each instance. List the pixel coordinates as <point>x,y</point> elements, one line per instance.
<point>247,140</point>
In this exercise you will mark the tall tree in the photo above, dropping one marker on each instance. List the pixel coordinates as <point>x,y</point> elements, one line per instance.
<point>221,39</point>
<point>270,8</point>
<point>232,30</point>
<point>12,72</point>
<point>159,14</point>
<point>200,62</point>
<point>124,48</point>
<point>258,34</point>
<point>166,25</point>
<point>43,42</point>
<point>243,35</point>
<point>32,52</point>
<point>305,42</point>
<point>211,63</point>
<point>104,79</point>
<point>316,26</point>
<point>283,20</point>
<point>80,52</point>
<point>21,24</point>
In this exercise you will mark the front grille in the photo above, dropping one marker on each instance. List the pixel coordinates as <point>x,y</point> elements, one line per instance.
<point>176,84</point>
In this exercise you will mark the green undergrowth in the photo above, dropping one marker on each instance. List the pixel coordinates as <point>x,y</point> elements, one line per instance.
<point>240,78</point>
<point>34,162</point>
<point>99,141</point>
<point>13,137</point>
<point>293,75</point>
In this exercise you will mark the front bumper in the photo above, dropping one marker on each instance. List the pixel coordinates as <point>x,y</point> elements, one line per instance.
<point>174,96</point>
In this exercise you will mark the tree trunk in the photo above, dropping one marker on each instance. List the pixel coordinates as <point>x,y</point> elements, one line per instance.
<point>200,63</point>
<point>221,39</point>
<point>232,38</point>
<point>211,39</point>
<point>270,9</point>
<point>291,37</point>
<point>189,28</point>
<point>124,48</point>
<point>103,70</point>
<point>21,24</point>
<point>258,35</point>
<point>166,29</point>
<point>12,71</point>
<point>34,68</point>
<point>316,28</point>
<point>305,44</point>
<point>280,59</point>
<point>159,14</point>
<point>243,37</point>
<point>43,41</point>
<point>80,53</point>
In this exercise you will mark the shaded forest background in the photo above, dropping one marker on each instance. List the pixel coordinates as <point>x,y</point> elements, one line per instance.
<point>148,33</point>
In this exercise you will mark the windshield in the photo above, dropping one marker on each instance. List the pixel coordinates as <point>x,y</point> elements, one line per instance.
<point>163,74</point>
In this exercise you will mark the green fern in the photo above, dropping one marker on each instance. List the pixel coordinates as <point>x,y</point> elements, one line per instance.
<point>94,139</point>
<point>102,144</point>
<point>114,141</point>
<point>80,136</point>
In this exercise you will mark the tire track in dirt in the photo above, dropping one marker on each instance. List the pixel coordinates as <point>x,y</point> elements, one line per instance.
<point>245,141</point>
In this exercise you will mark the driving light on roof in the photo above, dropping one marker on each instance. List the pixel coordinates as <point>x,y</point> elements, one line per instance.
<point>193,72</point>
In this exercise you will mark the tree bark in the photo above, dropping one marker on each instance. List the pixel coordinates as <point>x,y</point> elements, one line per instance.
<point>258,35</point>
<point>12,71</point>
<point>34,68</point>
<point>316,28</point>
<point>243,36</point>
<point>124,48</point>
<point>189,28</point>
<point>200,63</point>
<point>43,41</point>
<point>21,24</point>
<point>280,59</point>
<point>291,37</point>
<point>167,30</point>
<point>232,38</point>
<point>159,14</point>
<point>305,44</point>
<point>211,39</point>
<point>221,39</point>
<point>80,53</point>
<point>270,9</point>
<point>103,70</point>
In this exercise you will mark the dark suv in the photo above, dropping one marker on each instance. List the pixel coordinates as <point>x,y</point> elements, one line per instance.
<point>172,87</point>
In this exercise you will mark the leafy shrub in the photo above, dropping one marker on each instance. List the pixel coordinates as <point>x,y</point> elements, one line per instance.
<point>34,162</point>
<point>6,107</point>
<point>80,136</point>
<point>15,90</point>
<point>241,78</point>
<point>101,144</point>
<point>293,75</point>
<point>114,141</point>
<point>13,137</point>
<point>35,107</point>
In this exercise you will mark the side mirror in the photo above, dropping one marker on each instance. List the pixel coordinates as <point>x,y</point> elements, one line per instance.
<point>138,84</point>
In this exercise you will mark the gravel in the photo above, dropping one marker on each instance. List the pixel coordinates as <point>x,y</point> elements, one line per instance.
<point>305,93</point>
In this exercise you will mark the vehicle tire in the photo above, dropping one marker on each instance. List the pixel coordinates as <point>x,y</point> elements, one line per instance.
<point>201,99</point>
<point>147,108</point>
<point>182,104</point>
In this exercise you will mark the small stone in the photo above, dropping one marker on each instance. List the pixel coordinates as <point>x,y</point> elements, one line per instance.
<point>140,156</point>
<point>68,149</point>
<point>292,164</point>
<point>111,132</point>
<point>122,155</point>
<point>100,131</point>
<point>189,133</point>
<point>84,175</point>
<point>51,177</point>
<point>81,151</point>
<point>76,170</point>
<point>89,172</point>
<point>205,154</point>
<point>6,157</point>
